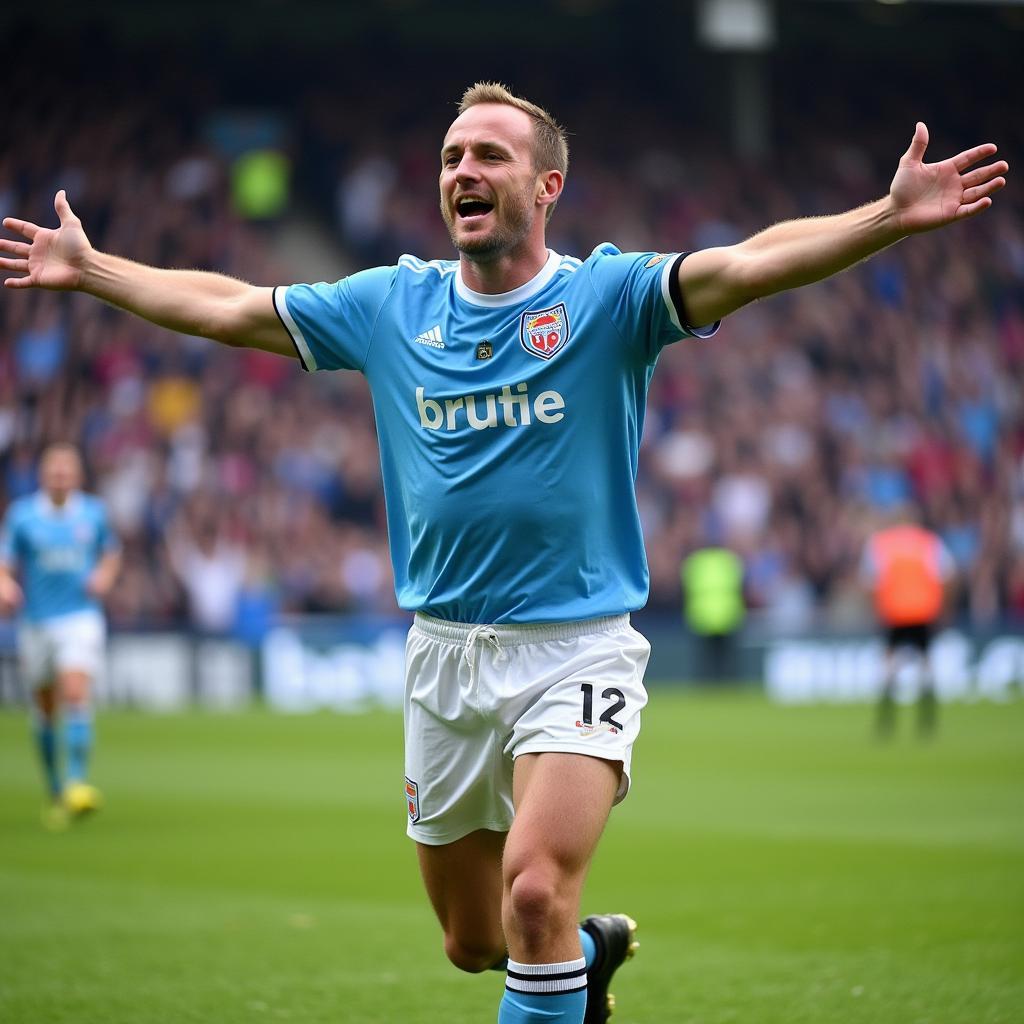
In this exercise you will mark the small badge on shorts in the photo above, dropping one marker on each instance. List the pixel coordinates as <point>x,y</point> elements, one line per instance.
<point>412,800</point>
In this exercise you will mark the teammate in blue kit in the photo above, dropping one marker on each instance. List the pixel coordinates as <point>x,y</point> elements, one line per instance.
<point>59,543</point>
<point>509,389</point>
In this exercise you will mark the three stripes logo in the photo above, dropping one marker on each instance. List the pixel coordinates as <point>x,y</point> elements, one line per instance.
<point>431,338</point>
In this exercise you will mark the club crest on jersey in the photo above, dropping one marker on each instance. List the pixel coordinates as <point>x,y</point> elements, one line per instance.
<point>544,332</point>
<point>412,800</point>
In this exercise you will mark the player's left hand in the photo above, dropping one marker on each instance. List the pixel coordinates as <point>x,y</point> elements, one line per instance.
<point>927,196</point>
<point>99,583</point>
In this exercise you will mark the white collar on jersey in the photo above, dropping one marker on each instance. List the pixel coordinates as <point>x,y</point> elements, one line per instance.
<point>47,506</point>
<point>517,295</point>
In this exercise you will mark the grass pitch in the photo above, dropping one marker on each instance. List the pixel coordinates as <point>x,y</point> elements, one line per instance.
<point>783,867</point>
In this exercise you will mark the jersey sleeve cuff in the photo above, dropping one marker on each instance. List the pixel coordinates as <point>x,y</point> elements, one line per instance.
<point>294,332</point>
<point>673,296</point>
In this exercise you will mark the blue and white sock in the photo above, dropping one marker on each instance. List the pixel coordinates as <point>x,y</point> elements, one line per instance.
<point>586,941</point>
<point>78,740</point>
<point>545,993</point>
<point>46,744</point>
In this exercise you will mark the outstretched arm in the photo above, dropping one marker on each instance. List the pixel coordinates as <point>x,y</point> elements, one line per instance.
<point>715,282</point>
<point>187,301</point>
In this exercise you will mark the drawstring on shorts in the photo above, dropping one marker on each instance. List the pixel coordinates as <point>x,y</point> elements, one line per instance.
<point>487,634</point>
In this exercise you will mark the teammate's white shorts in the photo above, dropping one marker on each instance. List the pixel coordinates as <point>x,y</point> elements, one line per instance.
<point>73,642</point>
<point>476,697</point>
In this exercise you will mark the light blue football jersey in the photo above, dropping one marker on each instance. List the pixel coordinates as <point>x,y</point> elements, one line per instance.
<point>509,425</point>
<point>55,549</point>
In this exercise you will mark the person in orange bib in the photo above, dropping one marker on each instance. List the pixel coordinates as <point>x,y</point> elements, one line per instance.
<point>909,572</point>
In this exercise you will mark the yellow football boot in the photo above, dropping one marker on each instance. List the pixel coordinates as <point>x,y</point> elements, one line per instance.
<point>54,816</point>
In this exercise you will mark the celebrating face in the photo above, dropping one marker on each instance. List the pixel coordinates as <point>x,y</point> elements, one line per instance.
<point>489,184</point>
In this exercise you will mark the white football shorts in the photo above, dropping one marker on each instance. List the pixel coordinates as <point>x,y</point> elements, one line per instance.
<point>476,697</point>
<point>73,642</point>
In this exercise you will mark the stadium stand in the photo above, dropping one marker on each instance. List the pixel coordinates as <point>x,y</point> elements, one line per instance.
<point>785,439</point>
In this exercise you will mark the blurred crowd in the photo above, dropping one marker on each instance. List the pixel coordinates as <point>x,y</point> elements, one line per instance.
<point>243,488</point>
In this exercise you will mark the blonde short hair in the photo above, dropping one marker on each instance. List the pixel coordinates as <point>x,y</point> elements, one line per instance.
<point>550,145</point>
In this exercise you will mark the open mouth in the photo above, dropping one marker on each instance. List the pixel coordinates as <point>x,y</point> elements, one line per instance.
<point>470,208</point>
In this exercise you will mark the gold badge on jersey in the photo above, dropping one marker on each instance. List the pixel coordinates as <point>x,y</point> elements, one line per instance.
<point>484,350</point>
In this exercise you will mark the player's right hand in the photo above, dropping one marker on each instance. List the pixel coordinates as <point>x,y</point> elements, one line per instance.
<point>10,595</point>
<point>51,258</point>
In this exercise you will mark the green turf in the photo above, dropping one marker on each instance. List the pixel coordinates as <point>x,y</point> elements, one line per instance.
<point>784,868</point>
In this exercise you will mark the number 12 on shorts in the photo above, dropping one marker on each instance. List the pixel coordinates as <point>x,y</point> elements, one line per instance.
<point>608,715</point>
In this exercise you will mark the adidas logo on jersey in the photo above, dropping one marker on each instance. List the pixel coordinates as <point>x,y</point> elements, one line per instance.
<point>431,337</point>
<point>482,411</point>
